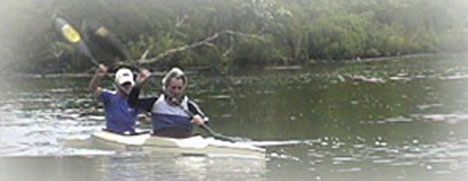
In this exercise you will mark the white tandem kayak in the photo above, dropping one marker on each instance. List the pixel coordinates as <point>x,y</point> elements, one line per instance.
<point>195,145</point>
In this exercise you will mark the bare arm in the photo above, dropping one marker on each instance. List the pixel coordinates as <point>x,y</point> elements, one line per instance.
<point>144,74</point>
<point>198,116</point>
<point>95,84</point>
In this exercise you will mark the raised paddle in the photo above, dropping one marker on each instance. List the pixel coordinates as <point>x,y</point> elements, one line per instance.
<point>72,36</point>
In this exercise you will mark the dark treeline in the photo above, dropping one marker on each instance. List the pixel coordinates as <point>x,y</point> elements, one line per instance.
<point>228,34</point>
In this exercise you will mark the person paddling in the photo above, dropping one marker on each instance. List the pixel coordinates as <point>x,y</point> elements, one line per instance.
<point>120,117</point>
<point>172,113</point>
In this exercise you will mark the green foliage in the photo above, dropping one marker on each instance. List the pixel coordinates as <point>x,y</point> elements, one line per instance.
<point>269,32</point>
<point>339,37</point>
<point>251,51</point>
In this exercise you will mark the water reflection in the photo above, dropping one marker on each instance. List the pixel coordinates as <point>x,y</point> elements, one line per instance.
<point>132,166</point>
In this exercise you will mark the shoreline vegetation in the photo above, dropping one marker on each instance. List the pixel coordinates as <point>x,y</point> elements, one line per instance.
<point>228,35</point>
<point>194,70</point>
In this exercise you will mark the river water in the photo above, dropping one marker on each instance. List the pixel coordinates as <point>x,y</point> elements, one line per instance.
<point>402,119</point>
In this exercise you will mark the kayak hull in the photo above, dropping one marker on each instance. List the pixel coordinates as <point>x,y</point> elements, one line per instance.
<point>196,145</point>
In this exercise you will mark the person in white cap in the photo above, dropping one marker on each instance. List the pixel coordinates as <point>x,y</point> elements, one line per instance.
<point>172,113</point>
<point>120,117</point>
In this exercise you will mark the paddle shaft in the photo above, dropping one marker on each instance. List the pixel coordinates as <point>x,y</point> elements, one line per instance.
<point>83,48</point>
<point>208,129</point>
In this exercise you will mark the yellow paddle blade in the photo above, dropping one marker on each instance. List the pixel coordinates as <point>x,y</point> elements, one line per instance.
<point>102,31</point>
<point>71,34</point>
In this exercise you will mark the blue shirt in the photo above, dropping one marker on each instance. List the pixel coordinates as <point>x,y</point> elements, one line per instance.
<point>120,117</point>
<point>167,121</point>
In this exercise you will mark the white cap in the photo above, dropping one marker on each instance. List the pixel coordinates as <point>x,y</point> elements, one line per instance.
<point>124,75</point>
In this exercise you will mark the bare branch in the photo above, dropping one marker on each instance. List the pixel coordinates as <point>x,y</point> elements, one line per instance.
<point>204,42</point>
<point>179,49</point>
<point>145,54</point>
<point>245,35</point>
<point>231,46</point>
